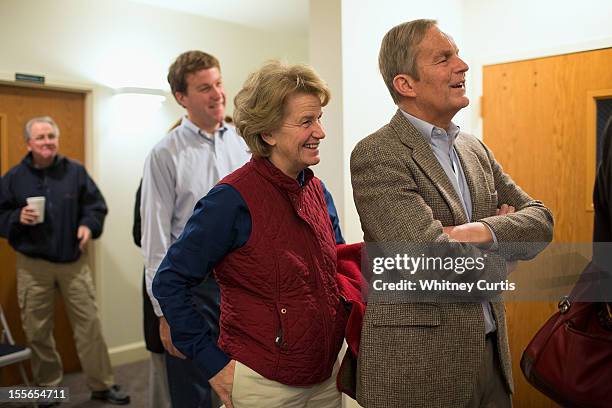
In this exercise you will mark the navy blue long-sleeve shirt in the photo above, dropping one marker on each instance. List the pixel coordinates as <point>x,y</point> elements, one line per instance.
<point>221,223</point>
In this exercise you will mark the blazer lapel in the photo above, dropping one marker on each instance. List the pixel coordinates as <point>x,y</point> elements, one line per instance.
<point>475,179</point>
<point>424,157</point>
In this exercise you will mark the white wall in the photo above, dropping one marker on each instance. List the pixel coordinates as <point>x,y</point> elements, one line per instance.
<point>325,46</point>
<point>486,31</point>
<point>502,31</point>
<point>365,102</point>
<point>101,45</point>
<point>368,105</point>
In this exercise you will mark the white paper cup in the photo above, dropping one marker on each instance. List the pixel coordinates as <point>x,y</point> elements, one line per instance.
<point>38,203</point>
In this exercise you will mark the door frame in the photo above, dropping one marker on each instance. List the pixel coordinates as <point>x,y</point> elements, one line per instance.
<point>591,134</point>
<point>3,142</point>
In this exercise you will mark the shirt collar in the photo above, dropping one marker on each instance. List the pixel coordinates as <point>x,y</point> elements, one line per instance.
<point>431,132</point>
<point>188,124</point>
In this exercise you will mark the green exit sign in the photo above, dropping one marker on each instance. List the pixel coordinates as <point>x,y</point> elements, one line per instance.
<point>38,79</point>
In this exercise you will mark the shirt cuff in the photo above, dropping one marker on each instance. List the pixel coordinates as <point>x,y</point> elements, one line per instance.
<point>149,276</point>
<point>211,360</point>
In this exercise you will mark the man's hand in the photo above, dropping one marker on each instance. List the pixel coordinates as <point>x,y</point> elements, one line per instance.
<point>474,232</point>
<point>28,215</point>
<point>166,338</point>
<point>83,235</point>
<point>223,383</point>
<point>505,209</point>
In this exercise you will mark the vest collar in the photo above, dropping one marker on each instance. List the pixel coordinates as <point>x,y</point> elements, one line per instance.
<point>273,174</point>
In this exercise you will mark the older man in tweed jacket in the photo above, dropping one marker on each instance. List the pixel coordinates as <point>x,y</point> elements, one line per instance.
<point>419,179</point>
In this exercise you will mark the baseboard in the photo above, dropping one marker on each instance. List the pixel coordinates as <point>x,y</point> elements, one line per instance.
<point>128,353</point>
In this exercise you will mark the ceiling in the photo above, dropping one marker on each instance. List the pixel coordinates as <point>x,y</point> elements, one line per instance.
<point>290,16</point>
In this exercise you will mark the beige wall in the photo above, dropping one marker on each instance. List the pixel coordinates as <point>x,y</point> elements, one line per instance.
<point>101,45</point>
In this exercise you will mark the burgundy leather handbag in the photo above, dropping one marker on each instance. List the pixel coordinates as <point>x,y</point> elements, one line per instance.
<point>570,358</point>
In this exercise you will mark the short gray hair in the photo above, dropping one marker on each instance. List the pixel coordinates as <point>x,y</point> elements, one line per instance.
<point>399,50</point>
<point>27,131</point>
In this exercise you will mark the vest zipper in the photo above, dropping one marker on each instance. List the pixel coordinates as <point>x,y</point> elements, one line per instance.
<point>318,284</point>
<point>322,299</point>
<point>278,340</point>
<point>325,307</point>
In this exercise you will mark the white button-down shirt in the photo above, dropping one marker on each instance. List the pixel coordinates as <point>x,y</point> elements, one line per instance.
<point>180,170</point>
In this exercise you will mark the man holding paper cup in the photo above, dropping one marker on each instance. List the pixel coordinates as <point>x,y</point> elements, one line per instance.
<point>34,212</point>
<point>49,210</point>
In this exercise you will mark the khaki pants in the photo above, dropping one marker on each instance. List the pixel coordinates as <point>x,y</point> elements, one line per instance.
<point>37,281</point>
<point>252,390</point>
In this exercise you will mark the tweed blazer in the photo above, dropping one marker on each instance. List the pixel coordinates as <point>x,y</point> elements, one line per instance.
<point>428,354</point>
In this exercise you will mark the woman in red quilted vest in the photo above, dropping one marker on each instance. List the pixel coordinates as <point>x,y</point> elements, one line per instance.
<point>267,232</point>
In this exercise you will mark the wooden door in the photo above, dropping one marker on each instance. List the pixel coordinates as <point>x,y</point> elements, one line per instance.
<point>538,119</point>
<point>17,105</point>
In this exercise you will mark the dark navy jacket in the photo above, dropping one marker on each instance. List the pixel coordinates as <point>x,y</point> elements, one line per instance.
<point>71,199</point>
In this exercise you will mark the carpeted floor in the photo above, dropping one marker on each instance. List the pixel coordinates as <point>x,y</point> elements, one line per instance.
<point>133,378</point>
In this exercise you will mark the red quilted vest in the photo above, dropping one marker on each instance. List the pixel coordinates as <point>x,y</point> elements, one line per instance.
<point>281,314</point>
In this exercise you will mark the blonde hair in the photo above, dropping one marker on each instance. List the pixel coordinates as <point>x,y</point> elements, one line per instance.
<point>260,106</point>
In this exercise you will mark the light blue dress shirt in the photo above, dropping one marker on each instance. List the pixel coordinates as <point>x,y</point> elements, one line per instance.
<point>442,144</point>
